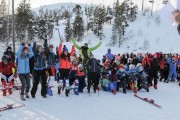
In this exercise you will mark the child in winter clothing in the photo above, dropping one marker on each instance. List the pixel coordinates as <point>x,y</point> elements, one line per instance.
<point>39,71</point>
<point>24,54</point>
<point>7,75</point>
<point>131,79</point>
<point>122,77</point>
<point>141,79</point>
<point>81,78</point>
<point>73,72</point>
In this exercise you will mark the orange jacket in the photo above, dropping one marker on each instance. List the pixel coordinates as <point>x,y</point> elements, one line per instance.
<point>80,73</point>
<point>145,61</point>
<point>65,63</point>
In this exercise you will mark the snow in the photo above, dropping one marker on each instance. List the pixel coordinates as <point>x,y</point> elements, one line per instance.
<point>161,37</point>
<point>103,107</point>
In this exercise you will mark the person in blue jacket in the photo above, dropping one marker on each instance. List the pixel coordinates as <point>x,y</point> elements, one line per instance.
<point>109,54</point>
<point>172,69</point>
<point>23,54</point>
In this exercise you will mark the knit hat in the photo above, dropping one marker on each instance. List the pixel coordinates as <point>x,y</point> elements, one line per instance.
<point>51,46</point>
<point>9,48</point>
<point>65,48</point>
<point>121,66</point>
<point>24,48</point>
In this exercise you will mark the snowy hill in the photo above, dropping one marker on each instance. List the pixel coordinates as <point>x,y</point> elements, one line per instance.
<point>157,33</point>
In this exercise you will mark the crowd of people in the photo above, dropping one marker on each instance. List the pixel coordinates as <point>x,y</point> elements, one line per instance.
<point>129,72</point>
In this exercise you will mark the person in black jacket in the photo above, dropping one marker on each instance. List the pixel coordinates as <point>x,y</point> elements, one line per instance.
<point>39,71</point>
<point>10,54</point>
<point>51,61</point>
<point>153,71</point>
<point>92,65</point>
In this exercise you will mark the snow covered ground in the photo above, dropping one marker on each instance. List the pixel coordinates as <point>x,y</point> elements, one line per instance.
<point>94,107</point>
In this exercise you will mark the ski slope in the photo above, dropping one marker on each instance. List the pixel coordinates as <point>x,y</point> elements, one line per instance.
<point>103,107</point>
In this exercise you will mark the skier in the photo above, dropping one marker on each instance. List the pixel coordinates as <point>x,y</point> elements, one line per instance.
<point>10,54</point>
<point>92,66</point>
<point>7,75</point>
<point>39,71</point>
<point>23,54</point>
<point>64,68</point>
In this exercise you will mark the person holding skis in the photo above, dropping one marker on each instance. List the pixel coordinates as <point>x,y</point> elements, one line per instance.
<point>39,71</point>
<point>10,54</point>
<point>7,75</point>
<point>24,54</point>
<point>64,68</point>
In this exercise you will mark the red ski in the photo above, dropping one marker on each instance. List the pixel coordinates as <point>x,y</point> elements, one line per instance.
<point>151,101</point>
<point>10,106</point>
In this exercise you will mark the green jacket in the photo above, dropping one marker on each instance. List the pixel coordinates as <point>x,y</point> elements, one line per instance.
<point>89,49</point>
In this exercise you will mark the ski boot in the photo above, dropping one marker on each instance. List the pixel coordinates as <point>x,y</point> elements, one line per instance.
<point>4,92</point>
<point>155,87</point>
<point>67,91</point>
<point>124,91</point>
<point>59,89</point>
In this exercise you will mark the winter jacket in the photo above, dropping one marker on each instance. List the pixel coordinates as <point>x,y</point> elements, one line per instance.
<point>23,63</point>
<point>85,52</point>
<point>10,55</point>
<point>39,59</point>
<point>51,57</point>
<point>65,63</point>
<point>93,65</point>
<point>109,55</point>
<point>154,65</point>
<point>6,69</point>
<point>172,65</point>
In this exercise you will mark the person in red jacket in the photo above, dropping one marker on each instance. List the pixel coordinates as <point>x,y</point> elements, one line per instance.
<point>64,68</point>
<point>7,75</point>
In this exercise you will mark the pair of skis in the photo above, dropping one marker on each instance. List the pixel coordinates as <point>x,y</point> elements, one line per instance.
<point>151,101</point>
<point>10,106</point>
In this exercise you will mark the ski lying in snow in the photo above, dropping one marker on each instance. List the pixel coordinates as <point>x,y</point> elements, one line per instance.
<point>10,106</point>
<point>151,101</point>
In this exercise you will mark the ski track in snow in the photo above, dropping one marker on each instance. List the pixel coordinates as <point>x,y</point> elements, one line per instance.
<point>94,107</point>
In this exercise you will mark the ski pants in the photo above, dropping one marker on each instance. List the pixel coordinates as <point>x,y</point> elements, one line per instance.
<point>172,73</point>
<point>25,82</point>
<point>39,74</point>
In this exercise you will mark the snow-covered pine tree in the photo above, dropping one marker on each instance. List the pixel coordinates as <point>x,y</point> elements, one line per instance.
<point>68,30</point>
<point>78,24</point>
<point>99,20</point>
<point>120,23</point>
<point>23,19</point>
